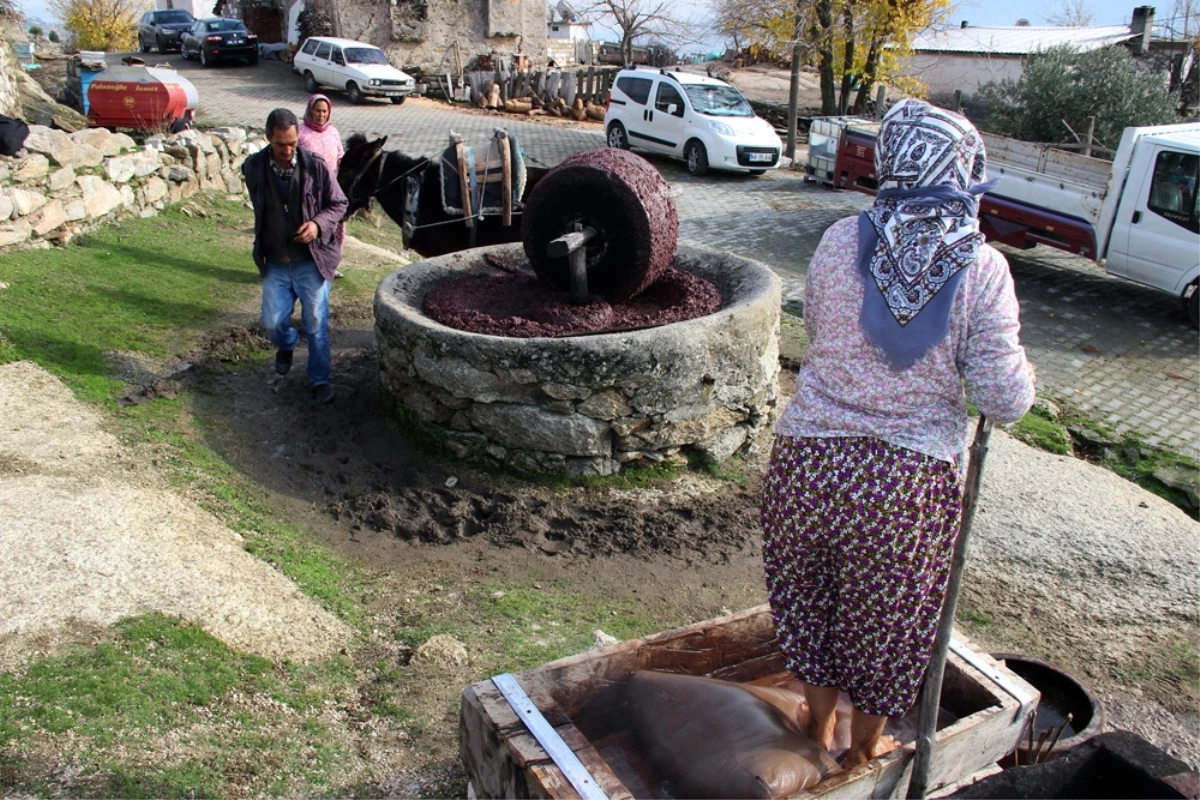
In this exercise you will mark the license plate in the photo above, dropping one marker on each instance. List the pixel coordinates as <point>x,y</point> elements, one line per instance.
<point>761,156</point>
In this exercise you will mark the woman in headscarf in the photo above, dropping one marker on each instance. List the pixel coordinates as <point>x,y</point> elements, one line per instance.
<point>905,307</point>
<point>317,135</point>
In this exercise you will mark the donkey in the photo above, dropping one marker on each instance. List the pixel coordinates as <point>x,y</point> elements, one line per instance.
<point>401,182</point>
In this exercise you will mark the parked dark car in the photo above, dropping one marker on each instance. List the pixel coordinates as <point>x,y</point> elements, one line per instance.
<point>162,29</point>
<point>219,39</point>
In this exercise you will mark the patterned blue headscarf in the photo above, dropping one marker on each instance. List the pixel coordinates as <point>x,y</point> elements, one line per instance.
<point>923,230</point>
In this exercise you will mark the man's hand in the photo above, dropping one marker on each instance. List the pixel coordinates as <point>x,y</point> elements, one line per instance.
<point>307,232</point>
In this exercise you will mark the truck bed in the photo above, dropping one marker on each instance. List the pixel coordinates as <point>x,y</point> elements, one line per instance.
<point>1067,183</point>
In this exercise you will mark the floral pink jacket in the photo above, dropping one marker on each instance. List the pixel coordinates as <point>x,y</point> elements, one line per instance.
<point>846,388</point>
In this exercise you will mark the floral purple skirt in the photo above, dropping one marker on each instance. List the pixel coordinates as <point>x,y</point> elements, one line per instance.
<point>857,540</point>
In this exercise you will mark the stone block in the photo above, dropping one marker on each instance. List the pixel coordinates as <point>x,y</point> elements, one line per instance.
<point>154,190</point>
<point>717,449</point>
<point>119,169</point>
<point>14,232</point>
<point>32,167</point>
<point>51,216</point>
<point>128,196</point>
<point>26,201</point>
<point>85,156</point>
<point>6,206</point>
<point>104,140</point>
<point>608,404</point>
<point>461,379</point>
<point>99,196</point>
<point>532,428</point>
<point>61,179</point>
<point>74,209</point>
<point>179,174</point>
<point>54,144</point>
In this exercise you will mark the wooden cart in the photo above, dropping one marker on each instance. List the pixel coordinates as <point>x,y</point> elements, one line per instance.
<point>582,698</point>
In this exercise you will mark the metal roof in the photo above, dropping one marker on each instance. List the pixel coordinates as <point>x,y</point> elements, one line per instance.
<point>1017,40</point>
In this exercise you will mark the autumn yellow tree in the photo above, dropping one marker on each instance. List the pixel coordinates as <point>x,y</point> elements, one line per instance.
<point>109,25</point>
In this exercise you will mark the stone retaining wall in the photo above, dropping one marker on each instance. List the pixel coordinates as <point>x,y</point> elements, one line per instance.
<point>66,184</point>
<point>586,405</point>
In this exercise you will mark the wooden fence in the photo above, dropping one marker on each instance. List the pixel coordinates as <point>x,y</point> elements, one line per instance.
<point>591,83</point>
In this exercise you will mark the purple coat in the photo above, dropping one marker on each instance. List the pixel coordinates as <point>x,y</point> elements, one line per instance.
<point>322,202</point>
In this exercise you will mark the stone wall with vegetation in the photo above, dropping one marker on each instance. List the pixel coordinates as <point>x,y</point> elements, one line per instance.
<point>65,184</point>
<point>10,102</point>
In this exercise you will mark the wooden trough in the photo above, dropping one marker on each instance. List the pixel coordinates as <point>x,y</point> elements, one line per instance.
<point>985,708</point>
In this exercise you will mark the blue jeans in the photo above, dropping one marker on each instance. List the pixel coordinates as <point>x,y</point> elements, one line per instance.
<point>281,288</point>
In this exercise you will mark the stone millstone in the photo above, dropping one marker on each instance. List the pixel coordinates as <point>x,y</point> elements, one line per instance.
<point>625,199</point>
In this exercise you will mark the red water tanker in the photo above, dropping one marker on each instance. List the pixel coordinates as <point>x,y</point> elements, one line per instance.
<point>141,98</point>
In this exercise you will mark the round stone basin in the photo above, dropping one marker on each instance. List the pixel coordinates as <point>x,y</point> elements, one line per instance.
<point>585,405</point>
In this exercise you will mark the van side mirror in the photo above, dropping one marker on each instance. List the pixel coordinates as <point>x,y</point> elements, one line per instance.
<point>673,109</point>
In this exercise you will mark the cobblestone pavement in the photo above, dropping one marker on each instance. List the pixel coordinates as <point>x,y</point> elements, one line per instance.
<point>1112,348</point>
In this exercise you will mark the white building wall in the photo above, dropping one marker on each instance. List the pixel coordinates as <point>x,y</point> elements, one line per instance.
<point>197,8</point>
<point>945,72</point>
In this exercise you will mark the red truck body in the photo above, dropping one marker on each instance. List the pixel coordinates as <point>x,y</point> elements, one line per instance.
<point>139,98</point>
<point>1000,219</point>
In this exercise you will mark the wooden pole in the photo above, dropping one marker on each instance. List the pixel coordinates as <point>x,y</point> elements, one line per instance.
<point>957,101</point>
<point>931,691</point>
<point>880,99</point>
<point>793,96</point>
<point>1087,147</point>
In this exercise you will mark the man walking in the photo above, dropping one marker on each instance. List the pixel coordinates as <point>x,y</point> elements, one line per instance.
<point>297,207</point>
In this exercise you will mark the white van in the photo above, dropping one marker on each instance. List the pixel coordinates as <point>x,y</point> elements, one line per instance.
<point>704,120</point>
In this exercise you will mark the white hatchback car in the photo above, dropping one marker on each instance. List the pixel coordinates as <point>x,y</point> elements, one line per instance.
<point>702,119</point>
<point>361,70</point>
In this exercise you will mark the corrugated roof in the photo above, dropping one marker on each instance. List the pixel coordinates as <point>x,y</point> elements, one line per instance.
<point>1014,40</point>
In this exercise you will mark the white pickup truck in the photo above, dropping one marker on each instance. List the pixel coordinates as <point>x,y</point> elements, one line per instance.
<point>1138,215</point>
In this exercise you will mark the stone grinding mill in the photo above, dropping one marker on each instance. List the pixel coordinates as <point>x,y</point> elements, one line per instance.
<point>519,386</point>
<point>601,222</point>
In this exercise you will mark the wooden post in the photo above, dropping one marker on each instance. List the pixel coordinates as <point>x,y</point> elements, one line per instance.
<point>1087,147</point>
<point>590,92</point>
<point>880,99</point>
<point>957,101</point>
<point>506,177</point>
<point>464,184</point>
<point>931,689</point>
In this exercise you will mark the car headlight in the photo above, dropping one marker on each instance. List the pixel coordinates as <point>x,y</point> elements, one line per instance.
<point>721,128</point>
<point>374,82</point>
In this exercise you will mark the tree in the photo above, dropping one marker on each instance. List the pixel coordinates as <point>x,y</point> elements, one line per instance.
<point>53,36</point>
<point>35,30</point>
<point>1062,87</point>
<point>101,24</point>
<point>1071,14</point>
<point>642,20</point>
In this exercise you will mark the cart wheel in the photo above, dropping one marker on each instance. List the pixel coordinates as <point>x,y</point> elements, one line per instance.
<point>310,83</point>
<point>354,93</point>
<point>625,200</point>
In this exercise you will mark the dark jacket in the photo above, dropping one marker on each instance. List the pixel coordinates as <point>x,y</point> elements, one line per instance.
<point>322,202</point>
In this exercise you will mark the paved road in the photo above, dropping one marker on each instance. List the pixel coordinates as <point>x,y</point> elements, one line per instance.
<point>1108,346</point>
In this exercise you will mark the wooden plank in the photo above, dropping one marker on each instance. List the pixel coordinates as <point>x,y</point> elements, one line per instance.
<point>589,94</point>
<point>464,183</point>
<point>506,179</point>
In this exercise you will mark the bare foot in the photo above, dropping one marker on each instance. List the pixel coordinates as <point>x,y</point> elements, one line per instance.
<point>821,730</point>
<point>882,746</point>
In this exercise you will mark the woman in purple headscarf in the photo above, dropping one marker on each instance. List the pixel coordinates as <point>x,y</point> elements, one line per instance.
<point>905,308</point>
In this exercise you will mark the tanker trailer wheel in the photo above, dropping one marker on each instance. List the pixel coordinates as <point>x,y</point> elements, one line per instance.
<point>310,83</point>
<point>1190,300</point>
<point>697,158</point>
<point>621,197</point>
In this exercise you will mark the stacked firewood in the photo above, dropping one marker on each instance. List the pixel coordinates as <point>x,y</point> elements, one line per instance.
<point>534,104</point>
